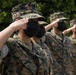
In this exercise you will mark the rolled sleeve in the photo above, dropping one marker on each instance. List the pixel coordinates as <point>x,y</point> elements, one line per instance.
<point>4,51</point>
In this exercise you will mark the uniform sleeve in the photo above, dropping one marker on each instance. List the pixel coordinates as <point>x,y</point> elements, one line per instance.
<point>43,39</point>
<point>71,47</point>
<point>48,40</point>
<point>4,51</point>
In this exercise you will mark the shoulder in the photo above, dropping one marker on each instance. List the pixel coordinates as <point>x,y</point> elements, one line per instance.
<point>10,40</point>
<point>48,33</point>
<point>67,38</point>
<point>49,36</point>
<point>11,43</point>
<point>4,51</point>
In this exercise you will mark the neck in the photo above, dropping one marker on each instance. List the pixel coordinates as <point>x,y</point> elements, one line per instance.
<point>36,39</point>
<point>57,31</point>
<point>23,37</point>
<point>74,35</point>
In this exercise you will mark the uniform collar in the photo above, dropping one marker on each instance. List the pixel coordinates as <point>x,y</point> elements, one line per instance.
<point>58,36</point>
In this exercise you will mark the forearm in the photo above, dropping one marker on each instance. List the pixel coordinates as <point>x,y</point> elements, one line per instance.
<point>48,27</point>
<point>5,34</point>
<point>67,30</point>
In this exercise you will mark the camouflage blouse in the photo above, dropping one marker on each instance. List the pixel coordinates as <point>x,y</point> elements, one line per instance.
<point>61,48</point>
<point>20,59</point>
<point>73,41</point>
<point>73,54</point>
<point>46,50</point>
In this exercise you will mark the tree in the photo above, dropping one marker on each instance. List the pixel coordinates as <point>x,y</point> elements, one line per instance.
<point>47,7</point>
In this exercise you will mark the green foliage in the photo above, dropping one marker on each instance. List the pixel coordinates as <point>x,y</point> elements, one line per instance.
<point>47,7</point>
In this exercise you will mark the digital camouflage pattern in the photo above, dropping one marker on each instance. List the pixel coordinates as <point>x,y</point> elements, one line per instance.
<point>23,60</point>
<point>74,54</point>
<point>57,15</point>
<point>72,22</point>
<point>25,9</point>
<point>47,50</point>
<point>32,16</point>
<point>73,41</point>
<point>61,52</point>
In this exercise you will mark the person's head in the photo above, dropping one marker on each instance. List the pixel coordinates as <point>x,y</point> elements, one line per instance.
<point>72,23</point>
<point>28,10</point>
<point>42,30</point>
<point>61,26</point>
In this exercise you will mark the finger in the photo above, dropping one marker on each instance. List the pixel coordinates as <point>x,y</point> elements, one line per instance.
<point>57,20</point>
<point>26,19</point>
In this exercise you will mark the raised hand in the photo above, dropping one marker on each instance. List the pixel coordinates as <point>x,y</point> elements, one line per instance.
<point>19,23</point>
<point>74,27</point>
<point>7,32</point>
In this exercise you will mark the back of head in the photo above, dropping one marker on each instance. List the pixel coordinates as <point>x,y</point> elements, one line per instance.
<point>72,22</point>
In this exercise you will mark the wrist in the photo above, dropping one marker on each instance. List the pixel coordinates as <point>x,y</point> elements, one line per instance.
<point>12,27</point>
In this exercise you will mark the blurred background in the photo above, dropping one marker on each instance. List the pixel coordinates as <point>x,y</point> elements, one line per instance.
<point>47,7</point>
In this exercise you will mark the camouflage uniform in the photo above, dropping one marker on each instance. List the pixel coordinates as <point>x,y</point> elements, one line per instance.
<point>19,58</point>
<point>61,48</point>
<point>47,50</point>
<point>57,15</point>
<point>73,41</point>
<point>72,23</point>
<point>61,53</point>
<point>74,55</point>
<point>26,10</point>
